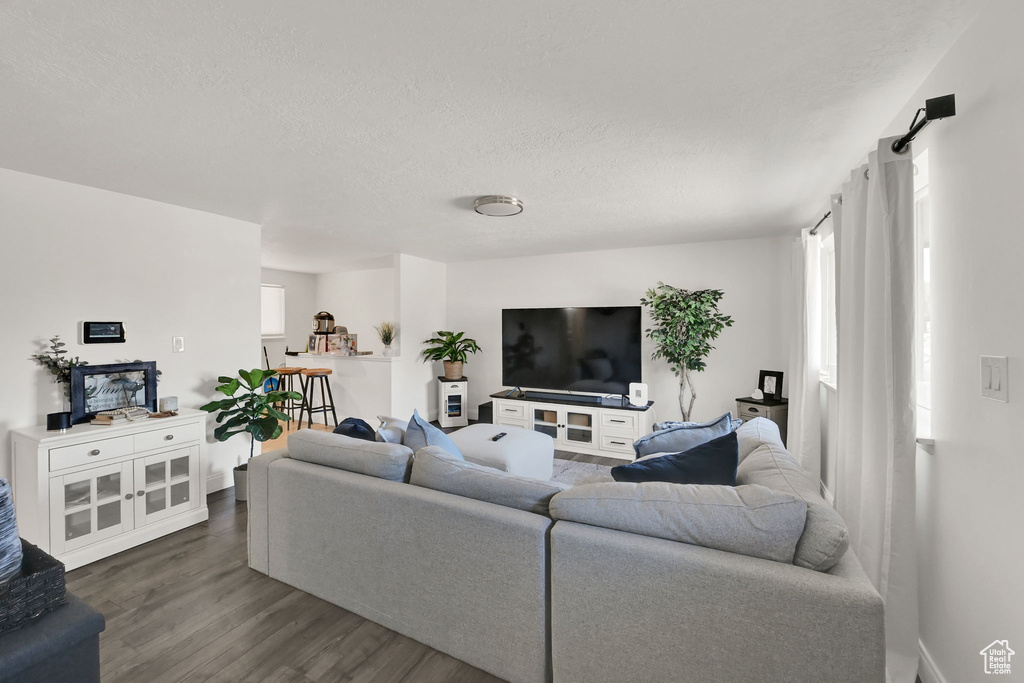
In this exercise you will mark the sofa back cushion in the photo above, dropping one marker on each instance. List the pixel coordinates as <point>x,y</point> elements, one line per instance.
<point>434,468</point>
<point>749,520</point>
<point>390,461</point>
<point>683,437</point>
<point>756,432</point>
<point>825,538</point>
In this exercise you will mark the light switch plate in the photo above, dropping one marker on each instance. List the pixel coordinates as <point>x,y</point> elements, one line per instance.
<point>178,344</point>
<point>995,378</point>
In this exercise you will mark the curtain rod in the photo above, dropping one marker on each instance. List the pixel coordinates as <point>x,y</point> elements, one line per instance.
<point>814,230</point>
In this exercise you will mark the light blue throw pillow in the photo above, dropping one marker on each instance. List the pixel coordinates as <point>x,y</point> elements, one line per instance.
<point>683,437</point>
<point>421,434</point>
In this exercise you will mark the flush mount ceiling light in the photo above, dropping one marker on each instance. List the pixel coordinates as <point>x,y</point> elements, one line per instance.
<point>498,205</point>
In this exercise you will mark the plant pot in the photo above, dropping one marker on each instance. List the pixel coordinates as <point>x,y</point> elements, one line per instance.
<point>453,369</point>
<point>241,474</point>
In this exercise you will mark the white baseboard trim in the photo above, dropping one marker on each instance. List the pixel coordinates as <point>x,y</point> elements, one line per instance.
<point>219,482</point>
<point>927,671</point>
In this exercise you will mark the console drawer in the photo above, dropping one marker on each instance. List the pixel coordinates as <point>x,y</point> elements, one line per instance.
<point>622,421</point>
<point>511,411</point>
<point>90,451</point>
<point>147,441</point>
<point>619,444</point>
<point>748,411</point>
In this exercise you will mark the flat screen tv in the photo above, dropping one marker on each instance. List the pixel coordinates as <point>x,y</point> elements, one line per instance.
<point>590,350</point>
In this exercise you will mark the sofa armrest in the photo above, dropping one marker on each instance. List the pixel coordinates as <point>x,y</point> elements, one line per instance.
<point>630,607</point>
<point>258,536</point>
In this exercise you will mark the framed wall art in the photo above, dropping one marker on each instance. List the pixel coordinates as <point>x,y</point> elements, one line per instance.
<point>96,388</point>
<point>770,384</point>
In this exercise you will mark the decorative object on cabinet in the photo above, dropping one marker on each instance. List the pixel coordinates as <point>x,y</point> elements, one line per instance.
<point>98,490</point>
<point>770,384</point>
<point>685,324</point>
<point>452,399</point>
<point>387,332</point>
<point>59,366</point>
<point>776,410</point>
<point>452,348</point>
<point>102,333</point>
<point>58,421</point>
<point>251,412</point>
<point>97,388</point>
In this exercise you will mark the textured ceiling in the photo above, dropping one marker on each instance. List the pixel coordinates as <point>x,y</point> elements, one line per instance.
<point>351,130</point>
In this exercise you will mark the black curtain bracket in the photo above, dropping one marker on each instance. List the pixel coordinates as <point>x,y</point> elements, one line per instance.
<point>934,109</point>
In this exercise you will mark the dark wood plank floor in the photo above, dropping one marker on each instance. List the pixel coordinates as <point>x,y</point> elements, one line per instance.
<point>187,607</point>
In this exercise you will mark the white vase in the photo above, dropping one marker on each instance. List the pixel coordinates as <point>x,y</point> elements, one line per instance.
<point>388,352</point>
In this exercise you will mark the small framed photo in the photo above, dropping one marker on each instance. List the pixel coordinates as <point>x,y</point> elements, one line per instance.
<point>770,384</point>
<point>312,343</point>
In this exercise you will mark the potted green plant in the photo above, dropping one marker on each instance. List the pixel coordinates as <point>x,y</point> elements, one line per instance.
<point>685,324</point>
<point>56,360</point>
<point>452,348</point>
<point>387,332</point>
<point>250,412</point>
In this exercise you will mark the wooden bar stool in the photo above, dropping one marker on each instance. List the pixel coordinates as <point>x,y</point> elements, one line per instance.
<point>326,399</point>
<point>287,383</point>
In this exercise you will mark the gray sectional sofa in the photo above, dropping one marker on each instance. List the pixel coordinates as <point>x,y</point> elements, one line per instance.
<point>488,567</point>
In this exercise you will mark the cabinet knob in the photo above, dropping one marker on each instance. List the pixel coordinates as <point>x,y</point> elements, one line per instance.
<point>140,494</point>
<point>94,451</point>
<point>128,496</point>
<point>168,437</point>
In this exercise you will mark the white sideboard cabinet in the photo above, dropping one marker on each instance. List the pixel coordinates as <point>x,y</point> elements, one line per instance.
<point>608,428</point>
<point>96,490</point>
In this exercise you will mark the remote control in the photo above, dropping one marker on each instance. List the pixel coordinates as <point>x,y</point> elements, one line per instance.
<point>497,436</point>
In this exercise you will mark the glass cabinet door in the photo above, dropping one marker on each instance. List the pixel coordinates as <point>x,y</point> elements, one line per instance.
<point>166,484</point>
<point>579,427</point>
<point>545,420</point>
<point>90,506</point>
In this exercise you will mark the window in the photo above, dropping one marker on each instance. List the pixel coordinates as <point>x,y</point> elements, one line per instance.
<point>923,294</point>
<point>272,311</point>
<point>827,272</point>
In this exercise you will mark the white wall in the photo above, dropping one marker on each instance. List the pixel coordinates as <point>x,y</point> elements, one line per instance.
<point>754,275</point>
<point>299,309</point>
<point>422,311</point>
<point>358,300</point>
<point>74,253</point>
<point>970,506</point>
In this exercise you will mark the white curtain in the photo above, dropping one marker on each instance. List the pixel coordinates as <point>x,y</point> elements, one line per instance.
<point>874,242</point>
<point>804,430</point>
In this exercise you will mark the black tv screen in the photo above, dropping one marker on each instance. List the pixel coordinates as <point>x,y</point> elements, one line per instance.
<point>594,350</point>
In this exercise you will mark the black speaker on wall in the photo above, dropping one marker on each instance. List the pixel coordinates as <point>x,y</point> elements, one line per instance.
<point>485,413</point>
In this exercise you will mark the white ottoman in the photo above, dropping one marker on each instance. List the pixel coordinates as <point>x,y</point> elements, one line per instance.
<point>520,451</point>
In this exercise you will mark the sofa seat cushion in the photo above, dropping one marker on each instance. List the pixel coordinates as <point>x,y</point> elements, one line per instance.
<point>825,538</point>
<point>748,520</point>
<point>757,432</point>
<point>390,461</point>
<point>713,462</point>
<point>434,468</point>
<point>683,437</point>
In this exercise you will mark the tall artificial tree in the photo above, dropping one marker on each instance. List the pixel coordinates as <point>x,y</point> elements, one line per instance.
<point>685,324</point>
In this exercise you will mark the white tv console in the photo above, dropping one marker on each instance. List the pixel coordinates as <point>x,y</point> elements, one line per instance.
<point>96,490</point>
<point>607,428</point>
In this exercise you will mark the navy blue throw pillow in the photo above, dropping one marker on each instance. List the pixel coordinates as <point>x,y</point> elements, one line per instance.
<point>713,462</point>
<point>356,428</point>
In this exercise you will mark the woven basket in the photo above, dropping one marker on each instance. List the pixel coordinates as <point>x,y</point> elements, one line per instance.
<point>40,589</point>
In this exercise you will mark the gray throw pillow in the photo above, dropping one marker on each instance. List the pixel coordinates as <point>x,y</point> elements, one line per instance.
<point>825,538</point>
<point>683,437</point>
<point>391,430</point>
<point>434,468</point>
<point>382,460</point>
<point>747,520</point>
<point>421,434</point>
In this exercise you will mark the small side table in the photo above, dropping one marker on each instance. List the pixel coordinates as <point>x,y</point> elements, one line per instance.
<point>451,402</point>
<point>776,410</point>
